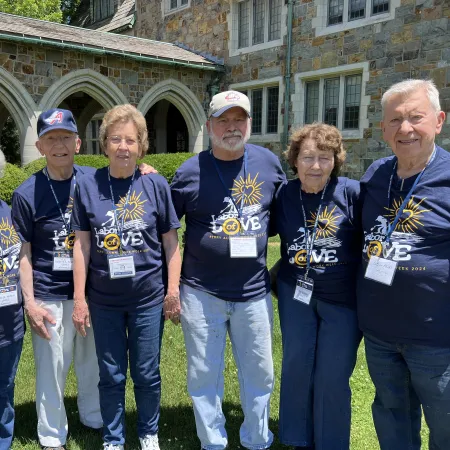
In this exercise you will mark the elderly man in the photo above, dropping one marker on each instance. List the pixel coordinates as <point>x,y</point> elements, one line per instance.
<point>403,294</point>
<point>42,208</point>
<point>225,194</point>
<point>11,319</point>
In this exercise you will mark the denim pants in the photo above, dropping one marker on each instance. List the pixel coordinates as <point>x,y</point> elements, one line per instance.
<point>136,333</point>
<point>9,360</point>
<point>206,320</point>
<point>320,345</point>
<point>52,360</point>
<point>406,377</point>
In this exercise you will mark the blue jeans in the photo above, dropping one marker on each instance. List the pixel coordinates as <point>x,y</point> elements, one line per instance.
<point>9,360</point>
<point>206,320</point>
<point>406,377</point>
<point>139,334</point>
<point>320,345</point>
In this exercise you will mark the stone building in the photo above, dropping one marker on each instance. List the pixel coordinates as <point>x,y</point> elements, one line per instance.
<point>45,65</point>
<point>307,60</point>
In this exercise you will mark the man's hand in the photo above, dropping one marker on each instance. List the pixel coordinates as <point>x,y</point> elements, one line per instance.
<point>37,316</point>
<point>80,316</point>
<point>145,169</point>
<point>172,307</point>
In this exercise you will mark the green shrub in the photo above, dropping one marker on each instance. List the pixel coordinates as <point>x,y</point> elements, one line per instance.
<point>12,178</point>
<point>166,163</point>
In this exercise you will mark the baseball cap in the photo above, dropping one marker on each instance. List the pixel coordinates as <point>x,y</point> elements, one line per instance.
<point>56,119</point>
<point>226,100</point>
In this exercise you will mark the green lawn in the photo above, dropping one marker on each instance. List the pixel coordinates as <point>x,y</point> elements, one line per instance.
<point>177,429</point>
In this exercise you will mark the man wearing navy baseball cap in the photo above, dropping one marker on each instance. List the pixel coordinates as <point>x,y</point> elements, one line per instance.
<point>225,194</point>
<point>42,207</point>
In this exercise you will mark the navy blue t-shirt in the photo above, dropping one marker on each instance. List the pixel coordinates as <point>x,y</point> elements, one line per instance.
<point>148,215</point>
<point>38,220</point>
<point>12,325</point>
<point>337,247</point>
<point>212,217</point>
<point>416,308</point>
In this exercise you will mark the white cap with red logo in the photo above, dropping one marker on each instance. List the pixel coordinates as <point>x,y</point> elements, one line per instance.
<point>226,100</point>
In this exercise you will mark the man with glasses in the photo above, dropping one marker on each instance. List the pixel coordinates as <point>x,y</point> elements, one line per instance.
<point>403,293</point>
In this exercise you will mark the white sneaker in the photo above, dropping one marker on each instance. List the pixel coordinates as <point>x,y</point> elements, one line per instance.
<point>107,446</point>
<point>149,442</point>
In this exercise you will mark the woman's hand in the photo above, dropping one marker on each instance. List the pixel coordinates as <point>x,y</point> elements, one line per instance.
<point>172,307</point>
<point>80,316</point>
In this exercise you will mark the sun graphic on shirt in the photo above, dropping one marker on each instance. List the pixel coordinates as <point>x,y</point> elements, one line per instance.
<point>135,209</point>
<point>8,235</point>
<point>411,217</point>
<point>248,191</point>
<point>327,225</point>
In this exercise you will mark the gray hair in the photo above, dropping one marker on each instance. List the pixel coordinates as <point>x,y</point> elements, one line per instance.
<point>408,86</point>
<point>2,164</point>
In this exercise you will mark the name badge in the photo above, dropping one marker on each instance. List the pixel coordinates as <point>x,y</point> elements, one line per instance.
<point>243,247</point>
<point>121,267</point>
<point>303,290</point>
<point>381,270</point>
<point>8,295</point>
<point>62,260</point>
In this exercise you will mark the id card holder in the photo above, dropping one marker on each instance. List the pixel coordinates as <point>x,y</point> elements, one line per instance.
<point>381,270</point>
<point>303,290</point>
<point>8,295</point>
<point>121,266</point>
<point>243,246</point>
<point>62,260</point>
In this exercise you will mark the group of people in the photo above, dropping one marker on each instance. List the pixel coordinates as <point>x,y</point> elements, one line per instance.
<point>97,255</point>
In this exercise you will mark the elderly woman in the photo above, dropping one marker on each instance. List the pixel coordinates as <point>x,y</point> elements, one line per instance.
<point>318,220</point>
<point>11,319</point>
<point>126,247</point>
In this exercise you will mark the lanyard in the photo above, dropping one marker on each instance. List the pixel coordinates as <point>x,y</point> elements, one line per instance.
<point>124,209</point>
<point>391,228</point>
<point>310,243</point>
<point>228,191</point>
<point>66,222</point>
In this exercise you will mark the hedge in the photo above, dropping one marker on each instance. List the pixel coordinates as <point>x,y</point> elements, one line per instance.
<point>12,178</point>
<point>166,164</point>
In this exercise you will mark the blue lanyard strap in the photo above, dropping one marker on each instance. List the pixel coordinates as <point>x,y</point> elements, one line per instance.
<point>310,242</point>
<point>392,225</point>
<point>72,189</point>
<point>228,191</point>
<point>120,228</point>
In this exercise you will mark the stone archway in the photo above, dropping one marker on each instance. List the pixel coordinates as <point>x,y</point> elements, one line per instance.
<point>92,83</point>
<point>21,106</point>
<point>188,105</point>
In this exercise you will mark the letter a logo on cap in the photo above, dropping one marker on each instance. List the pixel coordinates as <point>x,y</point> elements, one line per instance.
<point>56,117</point>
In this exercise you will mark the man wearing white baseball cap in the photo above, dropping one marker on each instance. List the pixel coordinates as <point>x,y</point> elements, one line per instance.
<point>225,194</point>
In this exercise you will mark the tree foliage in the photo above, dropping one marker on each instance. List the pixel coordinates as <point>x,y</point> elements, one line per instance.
<point>37,9</point>
<point>69,8</point>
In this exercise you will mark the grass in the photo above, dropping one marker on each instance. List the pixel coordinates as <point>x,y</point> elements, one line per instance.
<point>177,428</point>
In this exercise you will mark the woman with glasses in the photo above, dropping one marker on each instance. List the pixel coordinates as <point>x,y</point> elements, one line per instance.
<point>318,220</point>
<point>126,253</point>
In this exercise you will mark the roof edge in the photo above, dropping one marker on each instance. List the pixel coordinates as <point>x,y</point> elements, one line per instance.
<point>105,51</point>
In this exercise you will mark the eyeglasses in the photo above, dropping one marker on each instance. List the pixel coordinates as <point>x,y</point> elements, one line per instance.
<point>412,120</point>
<point>117,140</point>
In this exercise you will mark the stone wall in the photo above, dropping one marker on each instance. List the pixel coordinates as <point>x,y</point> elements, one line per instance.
<point>414,44</point>
<point>38,67</point>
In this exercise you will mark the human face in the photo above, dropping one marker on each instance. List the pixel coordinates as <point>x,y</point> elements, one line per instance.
<point>59,147</point>
<point>124,153</point>
<point>314,166</point>
<point>410,125</point>
<point>231,130</point>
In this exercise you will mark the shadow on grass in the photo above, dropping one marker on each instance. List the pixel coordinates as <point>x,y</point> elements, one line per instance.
<point>176,427</point>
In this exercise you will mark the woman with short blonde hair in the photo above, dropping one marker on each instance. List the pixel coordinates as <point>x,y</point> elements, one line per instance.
<point>126,245</point>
